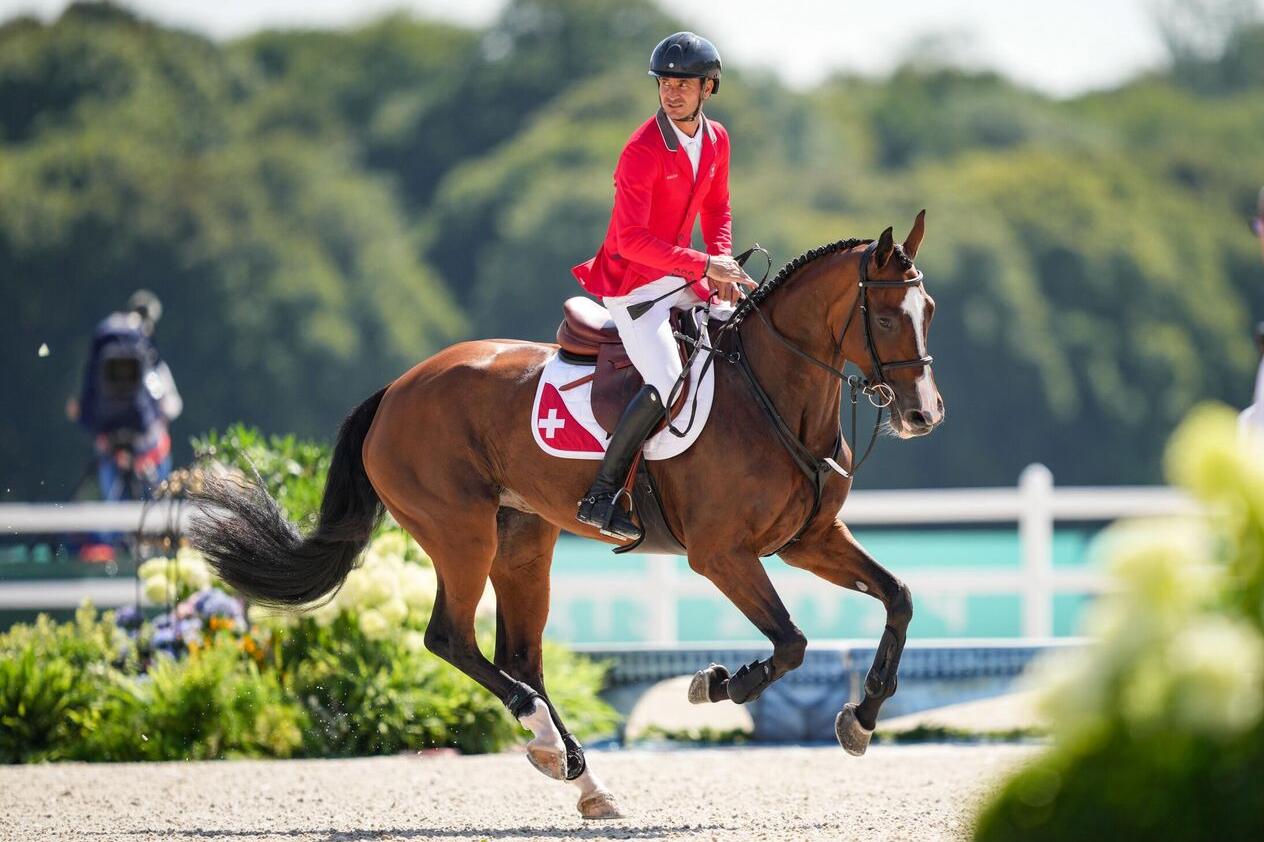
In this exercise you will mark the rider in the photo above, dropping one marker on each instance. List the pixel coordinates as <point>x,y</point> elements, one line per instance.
<point>128,398</point>
<point>673,170</point>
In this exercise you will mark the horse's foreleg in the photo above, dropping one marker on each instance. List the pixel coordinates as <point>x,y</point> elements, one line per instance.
<point>835,556</point>
<point>520,576</point>
<point>741,577</point>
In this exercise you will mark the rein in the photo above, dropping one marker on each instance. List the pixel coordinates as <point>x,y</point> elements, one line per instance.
<point>878,390</point>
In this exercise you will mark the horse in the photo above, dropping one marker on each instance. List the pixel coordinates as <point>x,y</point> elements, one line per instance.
<point>447,450</point>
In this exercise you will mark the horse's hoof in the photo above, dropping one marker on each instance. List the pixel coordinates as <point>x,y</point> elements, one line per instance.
<point>704,681</point>
<point>550,761</point>
<point>852,736</point>
<point>599,805</point>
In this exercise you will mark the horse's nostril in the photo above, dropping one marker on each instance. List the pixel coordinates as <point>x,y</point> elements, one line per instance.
<point>917,418</point>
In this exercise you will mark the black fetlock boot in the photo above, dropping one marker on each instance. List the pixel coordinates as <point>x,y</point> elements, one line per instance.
<point>600,507</point>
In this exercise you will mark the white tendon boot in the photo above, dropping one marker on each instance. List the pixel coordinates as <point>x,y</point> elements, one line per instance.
<point>595,801</point>
<point>546,752</point>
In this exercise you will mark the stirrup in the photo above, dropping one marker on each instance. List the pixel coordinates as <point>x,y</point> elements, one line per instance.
<point>590,513</point>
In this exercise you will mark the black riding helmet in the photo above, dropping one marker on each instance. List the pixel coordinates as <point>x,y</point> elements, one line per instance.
<point>686,56</point>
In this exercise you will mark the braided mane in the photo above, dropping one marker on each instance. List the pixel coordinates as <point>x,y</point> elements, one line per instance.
<point>768,287</point>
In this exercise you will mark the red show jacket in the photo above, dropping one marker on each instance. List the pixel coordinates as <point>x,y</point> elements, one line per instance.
<point>656,202</point>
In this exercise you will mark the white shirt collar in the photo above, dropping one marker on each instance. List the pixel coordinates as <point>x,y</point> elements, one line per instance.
<point>686,139</point>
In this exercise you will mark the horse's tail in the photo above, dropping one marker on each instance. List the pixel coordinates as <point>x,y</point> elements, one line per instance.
<point>251,546</point>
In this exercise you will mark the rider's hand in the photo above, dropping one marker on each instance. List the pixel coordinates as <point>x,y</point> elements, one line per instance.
<point>725,276</point>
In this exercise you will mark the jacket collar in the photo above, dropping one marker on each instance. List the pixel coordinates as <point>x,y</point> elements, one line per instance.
<point>669,134</point>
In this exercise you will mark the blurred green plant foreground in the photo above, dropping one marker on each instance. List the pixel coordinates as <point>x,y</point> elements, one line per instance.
<point>351,677</point>
<point>1159,729</point>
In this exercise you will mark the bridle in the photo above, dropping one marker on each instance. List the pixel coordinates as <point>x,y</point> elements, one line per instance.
<point>880,368</point>
<point>876,388</point>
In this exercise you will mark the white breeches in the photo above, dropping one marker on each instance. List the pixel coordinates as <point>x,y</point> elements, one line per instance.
<point>648,340</point>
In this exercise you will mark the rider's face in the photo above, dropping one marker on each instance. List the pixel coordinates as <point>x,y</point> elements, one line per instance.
<point>680,97</point>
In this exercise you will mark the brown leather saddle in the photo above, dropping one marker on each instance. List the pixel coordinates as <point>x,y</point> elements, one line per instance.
<point>588,337</point>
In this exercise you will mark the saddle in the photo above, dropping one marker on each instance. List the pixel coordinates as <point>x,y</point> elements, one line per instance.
<point>588,336</point>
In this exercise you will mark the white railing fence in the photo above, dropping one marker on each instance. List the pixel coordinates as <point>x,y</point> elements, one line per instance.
<point>1035,505</point>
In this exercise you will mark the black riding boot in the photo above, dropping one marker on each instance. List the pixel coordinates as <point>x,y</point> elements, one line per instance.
<point>600,506</point>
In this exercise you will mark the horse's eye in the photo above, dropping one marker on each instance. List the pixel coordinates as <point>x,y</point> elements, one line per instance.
<point>885,323</point>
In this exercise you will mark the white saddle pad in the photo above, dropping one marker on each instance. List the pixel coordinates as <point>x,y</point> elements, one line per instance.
<point>563,423</point>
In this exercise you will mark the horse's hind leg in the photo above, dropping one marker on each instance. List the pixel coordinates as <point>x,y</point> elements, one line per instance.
<point>462,548</point>
<point>836,557</point>
<point>520,575</point>
<point>740,576</point>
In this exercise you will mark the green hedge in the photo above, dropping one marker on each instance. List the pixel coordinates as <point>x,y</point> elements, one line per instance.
<point>75,691</point>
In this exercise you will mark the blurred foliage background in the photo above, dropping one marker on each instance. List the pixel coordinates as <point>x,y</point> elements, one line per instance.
<point>320,210</point>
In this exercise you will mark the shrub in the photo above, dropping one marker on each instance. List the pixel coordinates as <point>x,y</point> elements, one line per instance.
<point>293,470</point>
<point>51,678</point>
<point>1159,729</point>
<point>215,703</point>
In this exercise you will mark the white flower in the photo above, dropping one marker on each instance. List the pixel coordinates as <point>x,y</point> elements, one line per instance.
<point>373,625</point>
<point>380,586</point>
<point>1165,565</point>
<point>414,641</point>
<point>417,586</point>
<point>394,610</point>
<point>390,545</point>
<point>155,588</point>
<point>326,613</point>
<point>1218,669</point>
<point>153,567</point>
<point>353,590</point>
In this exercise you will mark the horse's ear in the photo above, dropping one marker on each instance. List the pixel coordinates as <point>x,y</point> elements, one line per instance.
<point>886,246</point>
<point>914,240</point>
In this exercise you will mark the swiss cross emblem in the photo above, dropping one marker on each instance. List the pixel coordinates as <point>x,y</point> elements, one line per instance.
<point>550,424</point>
<point>557,429</point>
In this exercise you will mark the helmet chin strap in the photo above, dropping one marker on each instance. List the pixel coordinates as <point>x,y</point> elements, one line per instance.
<point>701,99</point>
